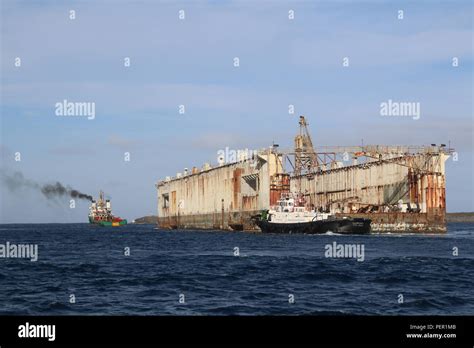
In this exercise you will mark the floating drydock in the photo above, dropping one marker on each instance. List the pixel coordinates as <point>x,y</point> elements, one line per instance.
<point>400,188</point>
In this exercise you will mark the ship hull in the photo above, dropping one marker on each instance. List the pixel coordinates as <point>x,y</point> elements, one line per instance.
<point>340,226</point>
<point>108,223</point>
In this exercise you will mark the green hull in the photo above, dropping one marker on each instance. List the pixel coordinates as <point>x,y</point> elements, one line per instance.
<point>108,223</point>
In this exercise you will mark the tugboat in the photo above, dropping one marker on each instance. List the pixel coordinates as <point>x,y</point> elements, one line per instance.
<point>100,213</point>
<point>290,215</point>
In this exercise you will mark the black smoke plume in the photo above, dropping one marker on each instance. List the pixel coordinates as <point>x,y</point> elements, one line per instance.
<point>17,180</point>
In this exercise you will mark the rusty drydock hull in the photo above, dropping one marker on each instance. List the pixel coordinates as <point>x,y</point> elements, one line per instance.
<point>242,221</point>
<point>398,190</point>
<point>237,221</point>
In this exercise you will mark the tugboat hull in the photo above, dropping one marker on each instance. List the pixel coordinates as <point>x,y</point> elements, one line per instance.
<point>340,226</point>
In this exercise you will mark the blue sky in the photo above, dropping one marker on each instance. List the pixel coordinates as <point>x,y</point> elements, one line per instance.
<point>190,62</point>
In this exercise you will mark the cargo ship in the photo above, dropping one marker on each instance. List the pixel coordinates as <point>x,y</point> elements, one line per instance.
<point>100,213</point>
<point>400,188</point>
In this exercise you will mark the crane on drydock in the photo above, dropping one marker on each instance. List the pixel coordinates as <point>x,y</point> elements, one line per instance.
<point>305,156</point>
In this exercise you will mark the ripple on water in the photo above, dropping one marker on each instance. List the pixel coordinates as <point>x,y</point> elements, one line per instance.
<point>90,264</point>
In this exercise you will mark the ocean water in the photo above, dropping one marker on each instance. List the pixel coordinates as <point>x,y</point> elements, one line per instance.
<point>272,274</point>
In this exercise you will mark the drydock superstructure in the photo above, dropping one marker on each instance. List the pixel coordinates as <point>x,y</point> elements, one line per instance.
<point>400,188</point>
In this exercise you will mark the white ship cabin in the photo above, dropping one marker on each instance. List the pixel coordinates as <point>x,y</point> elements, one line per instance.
<point>288,205</point>
<point>292,209</point>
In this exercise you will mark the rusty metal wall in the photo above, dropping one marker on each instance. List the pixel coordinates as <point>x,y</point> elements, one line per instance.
<point>241,186</point>
<point>418,180</point>
<point>279,184</point>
